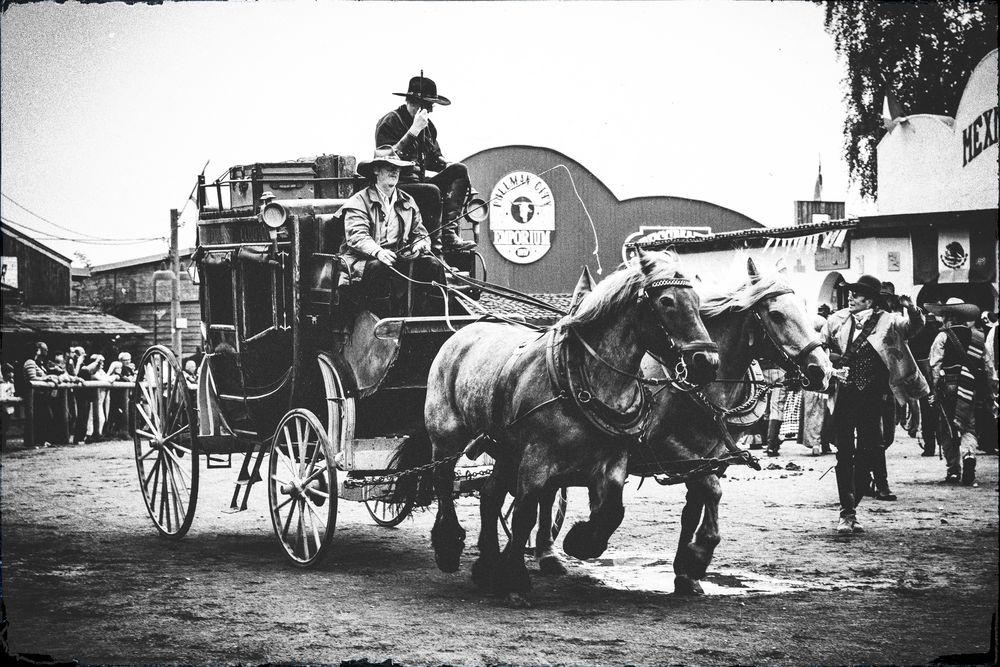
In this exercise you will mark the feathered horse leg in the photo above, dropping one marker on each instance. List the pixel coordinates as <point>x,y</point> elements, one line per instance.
<point>548,560</point>
<point>589,539</point>
<point>699,534</point>
<point>491,496</point>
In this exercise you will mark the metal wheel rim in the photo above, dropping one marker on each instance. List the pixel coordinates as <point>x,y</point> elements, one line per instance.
<point>302,488</point>
<point>165,456</point>
<point>559,515</point>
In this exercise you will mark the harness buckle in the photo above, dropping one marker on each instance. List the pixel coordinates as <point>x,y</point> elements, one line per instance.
<point>584,396</point>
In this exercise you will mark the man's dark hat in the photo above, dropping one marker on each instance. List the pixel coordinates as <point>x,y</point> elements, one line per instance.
<point>425,89</point>
<point>867,285</point>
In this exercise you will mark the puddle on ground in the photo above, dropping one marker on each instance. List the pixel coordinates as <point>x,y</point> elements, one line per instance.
<point>640,572</point>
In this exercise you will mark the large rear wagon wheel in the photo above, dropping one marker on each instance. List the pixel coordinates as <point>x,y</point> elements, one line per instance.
<point>558,516</point>
<point>162,418</point>
<point>302,488</point>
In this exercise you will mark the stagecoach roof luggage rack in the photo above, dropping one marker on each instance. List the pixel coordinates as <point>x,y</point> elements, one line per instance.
<point>322,177</point>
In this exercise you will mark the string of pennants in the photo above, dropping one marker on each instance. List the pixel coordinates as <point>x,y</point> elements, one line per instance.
<point>808,243</point>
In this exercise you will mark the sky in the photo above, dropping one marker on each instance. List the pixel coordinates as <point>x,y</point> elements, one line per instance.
<point>109,111</point>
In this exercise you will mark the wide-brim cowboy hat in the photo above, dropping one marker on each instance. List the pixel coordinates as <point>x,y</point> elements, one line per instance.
<point>954,307</point>
<point>383,155</point>
<point>867,285</point>
<point>424,89</point>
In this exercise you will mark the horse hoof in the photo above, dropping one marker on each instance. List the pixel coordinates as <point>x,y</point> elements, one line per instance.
<point>551,565</point>
<point>484,575</point>
<point>579,543</point>
<point>518,601</point>
<point>687,586</point>
<point>447,549</point>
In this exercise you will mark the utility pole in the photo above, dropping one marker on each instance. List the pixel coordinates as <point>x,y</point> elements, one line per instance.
<point>175,266</point>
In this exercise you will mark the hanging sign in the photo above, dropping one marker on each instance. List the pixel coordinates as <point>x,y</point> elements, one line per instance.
<point>522,217</point>
<point>649,233</point>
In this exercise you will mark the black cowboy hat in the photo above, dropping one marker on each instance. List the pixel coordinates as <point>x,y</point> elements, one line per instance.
<point>426,90</point>
<point>954,307</point>
<point>866,285</point>
<point>383,155</point>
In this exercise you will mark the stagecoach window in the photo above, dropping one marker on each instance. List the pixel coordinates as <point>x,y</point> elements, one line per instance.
<point>219,287</point>
<point>258,298</point>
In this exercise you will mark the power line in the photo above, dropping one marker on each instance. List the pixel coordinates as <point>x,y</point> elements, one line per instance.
<point>43,219</point>
<point>95,240</point>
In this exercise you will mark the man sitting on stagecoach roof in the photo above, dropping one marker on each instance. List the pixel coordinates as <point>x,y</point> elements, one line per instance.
<point>409,130</point>
<point>384,236</point>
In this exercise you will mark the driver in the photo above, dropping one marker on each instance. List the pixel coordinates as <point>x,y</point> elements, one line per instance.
<point>409,130</point>
<point>385,239</point>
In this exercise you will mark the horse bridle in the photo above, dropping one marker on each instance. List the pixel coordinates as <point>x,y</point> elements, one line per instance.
<point>791,364</point>
<point>671,349</point>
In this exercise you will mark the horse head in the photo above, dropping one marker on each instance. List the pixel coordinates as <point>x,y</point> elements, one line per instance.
<point>794,342</point>
<point>673,332</point>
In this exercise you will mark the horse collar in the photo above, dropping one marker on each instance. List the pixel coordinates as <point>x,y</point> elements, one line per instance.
<point>570,384</point>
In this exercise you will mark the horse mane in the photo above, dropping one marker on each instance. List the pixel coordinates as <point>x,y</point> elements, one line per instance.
<point>621,289</point>
<point>717,299</point>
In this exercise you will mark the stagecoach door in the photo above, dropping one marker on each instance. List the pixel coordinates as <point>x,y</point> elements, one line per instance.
<point>248,297</point>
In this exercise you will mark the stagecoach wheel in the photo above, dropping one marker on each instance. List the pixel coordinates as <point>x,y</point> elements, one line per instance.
<point>162,418</point>
<point>558,516</point>
<point>389,514</point>
<point>302,488</point>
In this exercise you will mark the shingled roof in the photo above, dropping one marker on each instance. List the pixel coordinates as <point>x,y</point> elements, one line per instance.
<point>68,320</point>
<point>491,303</point>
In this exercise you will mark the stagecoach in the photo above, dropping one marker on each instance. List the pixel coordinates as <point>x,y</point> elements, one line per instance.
<point>300,385</point>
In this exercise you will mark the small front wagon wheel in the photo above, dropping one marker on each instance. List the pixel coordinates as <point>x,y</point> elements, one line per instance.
<point>302,488</point>
<point>388,514</point>
<point>162,418</point>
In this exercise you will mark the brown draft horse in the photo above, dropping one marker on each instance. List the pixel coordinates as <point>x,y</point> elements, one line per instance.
<point>557,409</point>
<point>760,318</point>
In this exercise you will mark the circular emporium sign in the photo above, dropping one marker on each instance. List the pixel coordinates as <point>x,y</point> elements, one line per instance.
<point>522,217</point>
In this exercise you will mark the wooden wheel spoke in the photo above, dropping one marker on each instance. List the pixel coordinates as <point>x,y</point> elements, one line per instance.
<point>176,464</point>
<point>288,523</point>
<point>152,471</point>
<point>312,525</point>
<point>176,484</point>
<point>149,422</point>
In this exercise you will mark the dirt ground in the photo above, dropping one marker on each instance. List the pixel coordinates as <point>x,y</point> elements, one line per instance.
<point>86,577</point>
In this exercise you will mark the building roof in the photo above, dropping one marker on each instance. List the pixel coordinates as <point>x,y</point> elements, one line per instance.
<point>36,245</point>
<point>68,320</point>
<point>874,225</point>
<point>148,259</point>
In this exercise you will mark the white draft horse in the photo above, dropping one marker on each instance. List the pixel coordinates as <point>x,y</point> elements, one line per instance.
<point>762,318</point>
<point>557,409</point>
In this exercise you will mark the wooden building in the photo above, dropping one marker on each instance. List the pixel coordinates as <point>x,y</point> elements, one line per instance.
<point>33,273</point>
<point>127,290</point>
<point>36,304</point>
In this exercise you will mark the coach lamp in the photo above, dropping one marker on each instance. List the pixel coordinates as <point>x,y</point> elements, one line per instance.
<point>476,212</point>
<point>274,216</point>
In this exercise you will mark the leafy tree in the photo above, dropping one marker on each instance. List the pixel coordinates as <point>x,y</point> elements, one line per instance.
<point>920,52</point>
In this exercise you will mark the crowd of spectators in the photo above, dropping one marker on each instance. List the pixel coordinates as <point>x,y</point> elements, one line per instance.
<point>74,396</point>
